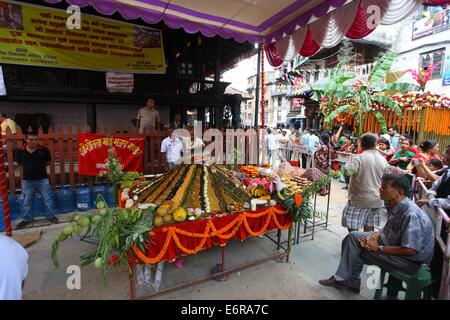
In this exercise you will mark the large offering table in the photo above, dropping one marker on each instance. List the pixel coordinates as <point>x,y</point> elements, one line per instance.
<point>190,237</point>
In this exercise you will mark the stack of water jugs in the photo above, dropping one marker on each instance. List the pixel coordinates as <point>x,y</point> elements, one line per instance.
<point>64,200</point>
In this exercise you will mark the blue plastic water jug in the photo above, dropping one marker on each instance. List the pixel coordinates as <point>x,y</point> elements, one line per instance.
<point>65,199</point>
<point>83,198</point>
<point>13,211</point>
<point>110,197</point>
<point>98,189</point>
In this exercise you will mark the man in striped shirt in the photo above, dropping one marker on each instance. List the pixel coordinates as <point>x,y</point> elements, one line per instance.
<point>404,243</point>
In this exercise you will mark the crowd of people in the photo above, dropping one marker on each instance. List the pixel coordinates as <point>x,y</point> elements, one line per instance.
<point>379,181</point>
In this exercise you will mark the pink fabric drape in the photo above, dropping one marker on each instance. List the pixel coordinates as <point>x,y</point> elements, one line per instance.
<point>359,28</point>
<point>310,45</point>
<point>272,55</point>
<point>436,2</point>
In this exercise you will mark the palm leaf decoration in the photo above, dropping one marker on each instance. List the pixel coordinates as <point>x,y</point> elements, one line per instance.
<point>381,68</point>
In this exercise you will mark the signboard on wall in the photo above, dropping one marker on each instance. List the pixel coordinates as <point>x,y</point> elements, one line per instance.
<point>38,36</point>
<point>119,82</point>
<point>93,152</point>
<point>446,71</point>
<point>431,20</point>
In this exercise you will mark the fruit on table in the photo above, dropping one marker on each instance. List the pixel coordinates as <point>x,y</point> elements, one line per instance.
<point>259,191</point>
<point>161,211</point>
<point>167,218</point>
<point>100,205</point>
<point>158,221</point>
<point>179,214</point>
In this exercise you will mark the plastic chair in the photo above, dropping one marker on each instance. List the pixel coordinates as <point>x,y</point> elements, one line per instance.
<point>415,284</point>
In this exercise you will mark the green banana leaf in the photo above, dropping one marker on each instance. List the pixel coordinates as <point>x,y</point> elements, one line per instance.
<point>336,112</point>
<point>399,87</point>
<point>389,103</point>
<point>381,120</point>
<point>381,68</point>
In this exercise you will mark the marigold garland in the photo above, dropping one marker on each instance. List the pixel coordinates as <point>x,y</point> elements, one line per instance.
<point>211,231</point>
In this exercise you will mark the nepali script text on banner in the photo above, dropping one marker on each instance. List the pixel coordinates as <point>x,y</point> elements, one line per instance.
<point>39,36</point>
<point>93,153</point>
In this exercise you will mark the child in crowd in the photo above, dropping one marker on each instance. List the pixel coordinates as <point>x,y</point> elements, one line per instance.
<point>384,147</point>
<point>403,157</point>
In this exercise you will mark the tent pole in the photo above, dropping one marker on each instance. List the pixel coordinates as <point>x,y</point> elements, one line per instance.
<point>262,86</point>
<point>258,77</point>
<point>4,193</point>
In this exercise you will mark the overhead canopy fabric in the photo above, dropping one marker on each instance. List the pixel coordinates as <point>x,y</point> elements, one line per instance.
<point>287,27</point>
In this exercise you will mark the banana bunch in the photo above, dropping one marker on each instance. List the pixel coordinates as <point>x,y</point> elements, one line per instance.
<point>259,191</point>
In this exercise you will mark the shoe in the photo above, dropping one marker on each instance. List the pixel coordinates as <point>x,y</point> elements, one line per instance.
<point>22,225</point>
<point>332,282</point>
<point>345,188</point>
<point>53,220</point>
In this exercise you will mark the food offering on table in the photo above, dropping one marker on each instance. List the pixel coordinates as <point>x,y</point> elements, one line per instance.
<point>189,192</point>
<point>259,188</point>
<point>250,171</point>
<point>296,184</point>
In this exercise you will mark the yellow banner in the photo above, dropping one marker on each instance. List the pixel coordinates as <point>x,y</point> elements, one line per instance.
<point>34,35</point>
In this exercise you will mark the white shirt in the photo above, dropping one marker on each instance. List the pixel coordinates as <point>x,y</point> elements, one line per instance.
<point>172,149</point>
<point>147,118</point>
<point>313,142</point>
<point>272,143</point>
<point>305,139</point>
<point>13,268</point>
<point>366,170</point>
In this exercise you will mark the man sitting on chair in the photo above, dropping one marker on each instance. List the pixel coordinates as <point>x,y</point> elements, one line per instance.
<point>404,243</point>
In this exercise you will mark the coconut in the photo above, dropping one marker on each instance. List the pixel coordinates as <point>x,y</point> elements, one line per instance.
<point>68,230</point>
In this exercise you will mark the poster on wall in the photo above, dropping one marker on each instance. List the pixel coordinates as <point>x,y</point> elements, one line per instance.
<point>119,82</point>
<point>93,152</point>
<point>431,20</point>
<point>38,36</point>
<point>446,71</point>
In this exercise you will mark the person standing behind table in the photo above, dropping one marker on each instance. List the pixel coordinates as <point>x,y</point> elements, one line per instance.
<point>305,142</point>
<point>364,207</point>
<point>148,117</point>
<point>172,147</point>
<point>313,144</point>
<point>272,147</point>
<point>177,122</point>
<point>34,158</point>
<point>13,268</point>
<point>283,142</point>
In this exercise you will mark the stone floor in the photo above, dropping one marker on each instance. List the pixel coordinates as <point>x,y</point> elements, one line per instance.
<point>310,261</point>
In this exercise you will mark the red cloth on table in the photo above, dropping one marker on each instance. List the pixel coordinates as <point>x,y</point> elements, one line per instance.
<point>198,227</point>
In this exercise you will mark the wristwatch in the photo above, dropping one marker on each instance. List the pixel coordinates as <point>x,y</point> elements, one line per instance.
<point>382,249</point>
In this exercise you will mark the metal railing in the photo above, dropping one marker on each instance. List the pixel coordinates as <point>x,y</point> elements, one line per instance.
<point>439,217</point>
